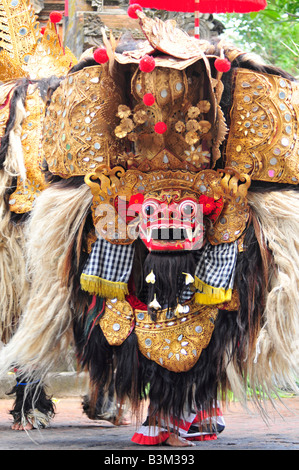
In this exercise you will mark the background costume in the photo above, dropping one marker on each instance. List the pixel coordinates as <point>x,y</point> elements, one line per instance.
<point>165,242</point>
<point>30,64</point>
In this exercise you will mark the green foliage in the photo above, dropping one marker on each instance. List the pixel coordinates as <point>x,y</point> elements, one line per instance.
<point>272,33</point>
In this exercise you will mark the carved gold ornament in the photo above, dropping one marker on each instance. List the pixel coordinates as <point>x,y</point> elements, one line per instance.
<point>25,52</point>
<point>117,321</point>
<point>235,214</point>
<point>49,57</point>
<point>175,343</point>
<point>19,32</point>
<point>105,187</point>
<point>6,90</point>
<point>80,122</point>
<point>262,141</point>
<point>12,71</point>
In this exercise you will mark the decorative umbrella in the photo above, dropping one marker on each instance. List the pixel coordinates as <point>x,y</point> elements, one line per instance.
<point>204,6</point>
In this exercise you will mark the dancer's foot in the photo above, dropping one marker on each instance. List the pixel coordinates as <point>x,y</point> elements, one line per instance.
<point>121,420</point>
<point>20,427</point>
<point>33,419</point>
<point>125,421</point>
<point>176,441</point>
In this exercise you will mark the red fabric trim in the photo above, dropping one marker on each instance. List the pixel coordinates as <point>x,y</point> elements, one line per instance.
<point>141,439</point>
<point>135,303</point>
<point>202,415</point>
<point>182,424</point>
<point>150,440</point>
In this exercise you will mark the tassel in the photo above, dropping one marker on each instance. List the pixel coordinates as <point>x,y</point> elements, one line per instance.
<point>95,310</point>
<point>210,295</point>
<point>103,288</point>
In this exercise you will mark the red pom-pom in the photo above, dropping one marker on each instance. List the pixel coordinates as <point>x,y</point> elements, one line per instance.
<point>149,99</point>
<point>160,127</point>
<point>222,65</point>
<point>55,16</point>
<point>42,30</point>
<point>208,204</point>
<point>132,10</point>
<point>147,64</point>
<point>100,55</point>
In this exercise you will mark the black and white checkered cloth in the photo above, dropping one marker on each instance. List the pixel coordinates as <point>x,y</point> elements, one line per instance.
<point>110,262</point>
<point>216,264</point>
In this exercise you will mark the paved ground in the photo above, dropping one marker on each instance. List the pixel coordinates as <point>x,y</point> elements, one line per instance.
<point>71,430</point>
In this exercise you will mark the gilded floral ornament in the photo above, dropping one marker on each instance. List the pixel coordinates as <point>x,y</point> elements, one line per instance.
<point>120,132</point>
<point>192,125</point>
<point>200,157</point>
<point>172,116</point>
<point>123,111</point>
<point>127,125</point>
<point>204,106</point>
<point>191,137</point>
<point>180,126</point>
<point>193,112</point>
<point>140,117</point>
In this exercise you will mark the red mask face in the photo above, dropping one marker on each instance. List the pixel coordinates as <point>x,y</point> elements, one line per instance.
<point>171,226</point>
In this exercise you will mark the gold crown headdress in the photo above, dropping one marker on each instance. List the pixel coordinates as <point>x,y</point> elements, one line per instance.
<point>185,102</point>
<point>26,52</point>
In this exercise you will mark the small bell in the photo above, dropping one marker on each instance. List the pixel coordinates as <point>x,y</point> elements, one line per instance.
<point>154,303</point>
<point>180,308</point>
<point>189,279</point>
<point>150,278</point>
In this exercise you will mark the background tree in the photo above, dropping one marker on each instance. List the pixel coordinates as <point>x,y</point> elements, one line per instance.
<point>273,33</point>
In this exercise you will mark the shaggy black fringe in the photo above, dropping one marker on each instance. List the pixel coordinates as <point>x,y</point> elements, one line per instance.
<point>170,393</point>
<point>25,396</point>
<point>168,268</point>
<point>100,404</point>
<point>96,356</point>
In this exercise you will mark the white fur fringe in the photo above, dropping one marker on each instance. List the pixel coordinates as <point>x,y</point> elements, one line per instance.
<point>44,333</point>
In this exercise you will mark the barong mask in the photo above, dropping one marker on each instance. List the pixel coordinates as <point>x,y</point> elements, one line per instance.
<point>208,203</point>
<point>171,222</point>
